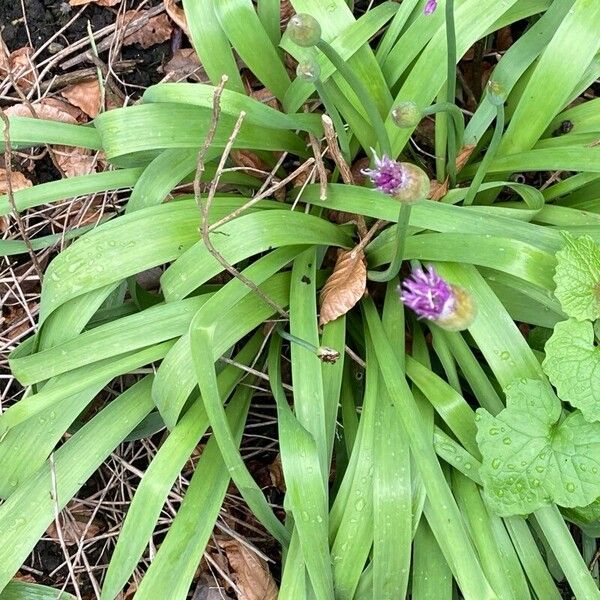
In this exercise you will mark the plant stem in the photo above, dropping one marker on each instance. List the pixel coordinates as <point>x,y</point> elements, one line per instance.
<point>362,93</point>
<point>399,243</point>
<point>451,85</point>
<point>457,118</point>
<point>489,156</point>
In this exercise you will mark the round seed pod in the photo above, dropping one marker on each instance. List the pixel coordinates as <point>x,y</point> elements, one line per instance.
<point>304,30</point>
<point>406,115</point>
<point>308,69</point>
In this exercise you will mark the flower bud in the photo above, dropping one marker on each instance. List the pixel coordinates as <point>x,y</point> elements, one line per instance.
<point>304,30</point>
<point>403,181</point>
<point>430,7</point>
<point>308,69</point>
<point>431,297</point>
<point>496,93</point>
<point>406,115</point>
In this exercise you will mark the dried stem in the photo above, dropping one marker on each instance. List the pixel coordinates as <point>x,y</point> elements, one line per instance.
<point>334,150</point>
<point>205,206</point>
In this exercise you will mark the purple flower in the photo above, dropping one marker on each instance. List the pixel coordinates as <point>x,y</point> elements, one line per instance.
<point>432,297</point>
<point>427,294</point>
<point>430,7</point>
<point>388,176</point>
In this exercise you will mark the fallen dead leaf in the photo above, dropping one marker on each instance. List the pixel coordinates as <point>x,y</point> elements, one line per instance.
<point>265,96</point>
<point>250,160</point>
<point>74,161</point>
<point>344,287</point>
<point>14,62</point>
<point>74,527</point>
<point>156,31</point>
<point>84,95</point>
<point>98,2</point>
<point>18,181</point>
<point>184,64</point>
<point>463,156</point>
<point>357,170</point>
<point>250,572</point>
<point>276,474</point>
<point>49,109</point>
<point>438,189</point>
<point>177,15</point>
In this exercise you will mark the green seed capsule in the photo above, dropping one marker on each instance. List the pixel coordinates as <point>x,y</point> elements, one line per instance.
<point>406,115</point>
<point>308,69</point>
<point>304,30</point>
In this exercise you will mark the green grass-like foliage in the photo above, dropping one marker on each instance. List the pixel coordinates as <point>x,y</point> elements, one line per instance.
<point>429,495</point>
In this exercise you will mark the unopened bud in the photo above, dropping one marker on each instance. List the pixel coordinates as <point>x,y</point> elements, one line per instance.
<point>496,93</point>
<point>308,69</point>
<point>304,30</point>
<point>406,115</point>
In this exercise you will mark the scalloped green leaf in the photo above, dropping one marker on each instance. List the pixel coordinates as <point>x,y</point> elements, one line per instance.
<point>532,458</point>
<point>577,277</point>
<point>572,364</point>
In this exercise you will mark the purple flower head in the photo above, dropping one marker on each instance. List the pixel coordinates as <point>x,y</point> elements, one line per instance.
<point>427,294</point>
<point>430,7</point>
<point>388,176</point>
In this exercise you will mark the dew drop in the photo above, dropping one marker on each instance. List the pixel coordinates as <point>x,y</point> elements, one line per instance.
<point>468,466</point>
<point>535,483</point>
<point>504,355</point>
<point>507,441</point>
<point>496,463</point>
<point>570,487</point>
<point>494,431</point>
<point>359,505</point>
<point>305,515</point>
<point>540,468</point>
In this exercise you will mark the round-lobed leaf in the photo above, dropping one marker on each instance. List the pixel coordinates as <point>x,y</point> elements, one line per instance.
<point>572,364</point>
<point>531,458</point>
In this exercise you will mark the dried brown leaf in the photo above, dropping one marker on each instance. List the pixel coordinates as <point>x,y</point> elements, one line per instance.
<point>49,109</point>
<point>98,2</point>
<point>249,160</point>
<point>177,15</point>
<point>357,168</point>
<point>74,161</point>
<point>438,189</point>
<point>14,62</point>
<point>250,572</point>
<point>276,474</point>
<point>463,156</point>
<point>265,96</point>
<point>157,30</point>
<point>18,181</point>
<point>76,525</point>
<point>184,64</point>
<point>84,95</point>
<point>344,287</point>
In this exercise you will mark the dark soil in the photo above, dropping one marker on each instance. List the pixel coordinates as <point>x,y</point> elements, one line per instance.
<point>45,17</point>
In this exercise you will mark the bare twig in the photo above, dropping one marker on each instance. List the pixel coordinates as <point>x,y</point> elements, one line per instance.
<point>315,144</point>
<point>10,194</point>
<point>334,150</point>
<point>206,205</point>
<point>210,136</point>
